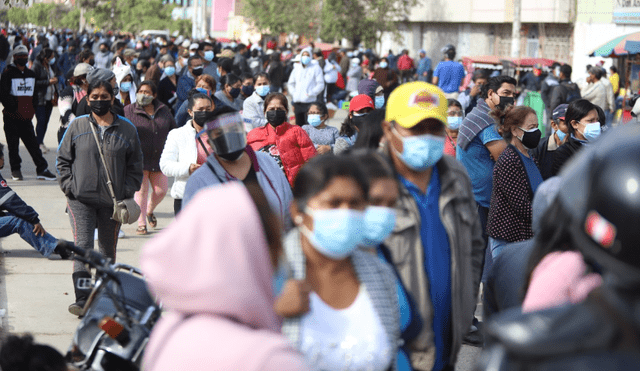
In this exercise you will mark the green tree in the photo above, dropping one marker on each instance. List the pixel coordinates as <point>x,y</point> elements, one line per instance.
<point>17,16</point>
<point>41,14</point>
<point>363,20</point>
<point>69,19</point>
<point>129,15</point>
<point>301,17</point>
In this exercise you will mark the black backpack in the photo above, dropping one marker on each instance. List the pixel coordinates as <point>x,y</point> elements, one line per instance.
<point>573,92</point>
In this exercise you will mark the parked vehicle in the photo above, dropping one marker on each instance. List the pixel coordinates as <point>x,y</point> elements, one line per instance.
<point>117,318</point>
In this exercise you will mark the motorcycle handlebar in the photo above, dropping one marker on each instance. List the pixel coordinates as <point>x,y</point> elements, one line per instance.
<point>94,257</point>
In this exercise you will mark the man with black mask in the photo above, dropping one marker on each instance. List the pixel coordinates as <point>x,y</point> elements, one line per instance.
<point>187,81</point>
<point>233,160</point>
<point>596,212</point>
<point>17,86</point>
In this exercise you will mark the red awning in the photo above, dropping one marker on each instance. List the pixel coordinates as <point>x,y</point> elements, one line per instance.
<point>530,62</point>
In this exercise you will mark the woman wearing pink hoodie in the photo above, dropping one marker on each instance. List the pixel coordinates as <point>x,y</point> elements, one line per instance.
<point>212,269</point>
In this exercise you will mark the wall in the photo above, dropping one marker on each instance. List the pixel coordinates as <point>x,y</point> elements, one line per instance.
<point>494,11</point>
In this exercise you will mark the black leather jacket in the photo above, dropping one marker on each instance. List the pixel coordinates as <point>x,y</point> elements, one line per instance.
<point>601,333</point>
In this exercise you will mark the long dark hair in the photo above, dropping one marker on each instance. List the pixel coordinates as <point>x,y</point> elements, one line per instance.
<point>371,133</point>
<point>577,110</point>
<point>510,118</point>
<point>46,53</point>
<point>347,129</point>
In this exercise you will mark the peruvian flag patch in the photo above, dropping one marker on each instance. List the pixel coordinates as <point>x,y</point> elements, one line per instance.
<point>3,183</point>
<point>600,229</point>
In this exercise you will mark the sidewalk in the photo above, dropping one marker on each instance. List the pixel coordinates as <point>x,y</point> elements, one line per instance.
<point>36,291</point>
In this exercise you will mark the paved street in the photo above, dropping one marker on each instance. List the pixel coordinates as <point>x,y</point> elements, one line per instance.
<point>35,291</point>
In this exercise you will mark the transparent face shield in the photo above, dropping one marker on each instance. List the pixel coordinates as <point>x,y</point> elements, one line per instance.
<point>226,133</point>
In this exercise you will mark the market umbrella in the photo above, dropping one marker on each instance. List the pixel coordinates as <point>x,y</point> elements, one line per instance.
<point>615,47</point>
<point>633,47</point>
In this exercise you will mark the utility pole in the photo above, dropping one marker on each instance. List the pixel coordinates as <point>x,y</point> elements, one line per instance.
<point>515,31</point>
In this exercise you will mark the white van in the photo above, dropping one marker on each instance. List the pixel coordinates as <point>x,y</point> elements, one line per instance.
<point>155,33</point>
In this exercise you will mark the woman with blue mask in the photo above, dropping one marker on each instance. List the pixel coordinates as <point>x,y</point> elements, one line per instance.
<point>584,127</point>
<point>455,114</point>
<point>230,91</point>
<point>340,306</point>
<point>253,106</point>
<point>380,218</point>
<point>322,136</point>
<point>168,86</point>
<point>124,80</point>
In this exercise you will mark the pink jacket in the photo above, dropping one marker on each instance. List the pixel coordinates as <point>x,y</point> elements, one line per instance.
<point>213,263</point>
<point>559,279</point>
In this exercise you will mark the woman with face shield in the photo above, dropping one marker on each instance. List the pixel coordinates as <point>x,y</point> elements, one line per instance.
<point>340,305</point>
<point>231,160</point>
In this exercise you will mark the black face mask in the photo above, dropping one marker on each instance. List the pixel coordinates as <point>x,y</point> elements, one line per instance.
<point>92,61</point>
<point>100,107</point>
<point>276,117</point>
<point>229,146</point>
<point>247,90</point>
<point>197,71</point>
<point>233,156</point>
<point>20,61</point>
<point>530,139</point>
<point>234,92</point>
<point>200,117</point>
<point>506,101</point>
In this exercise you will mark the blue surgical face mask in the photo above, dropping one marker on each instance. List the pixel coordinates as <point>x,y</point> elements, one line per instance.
<point>208,55</point>
<point>379,101</point>
<point>561,134</point>
<point>170,71</point>
<point>305,60</point>
<point>218,73</point>
<point>454,122</point>
<point>379,222</point>
<point>591,131</point>
<point>134,62</point>
<point>384,64</point>
<point>125,86</point>
<point>336,232</point>
<point>420,152</point>
<point>314,120</point>
<point>52,61</point>
<point>263,90</point>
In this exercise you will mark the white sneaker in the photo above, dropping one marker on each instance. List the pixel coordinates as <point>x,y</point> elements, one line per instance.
<point>121,234</point>
<point>44,149</point>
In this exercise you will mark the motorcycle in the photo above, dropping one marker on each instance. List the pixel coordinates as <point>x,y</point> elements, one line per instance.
<point>117,319</point>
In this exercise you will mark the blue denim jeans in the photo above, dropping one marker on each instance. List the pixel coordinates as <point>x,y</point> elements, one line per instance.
<point>12,224</point>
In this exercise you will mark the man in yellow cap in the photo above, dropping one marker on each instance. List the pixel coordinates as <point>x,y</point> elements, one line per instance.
<point>437,244</point>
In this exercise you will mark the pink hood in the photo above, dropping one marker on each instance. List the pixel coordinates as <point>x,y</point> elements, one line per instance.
<point>213,259</point>
<point>212,263</point>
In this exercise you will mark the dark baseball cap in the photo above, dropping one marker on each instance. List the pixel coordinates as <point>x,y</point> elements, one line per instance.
<point>559,112</point>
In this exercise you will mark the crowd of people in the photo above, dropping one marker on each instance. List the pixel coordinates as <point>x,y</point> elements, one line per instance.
<point>360,248</point>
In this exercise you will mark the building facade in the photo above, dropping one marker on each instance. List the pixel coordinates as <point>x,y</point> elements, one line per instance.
<point>483,27</point>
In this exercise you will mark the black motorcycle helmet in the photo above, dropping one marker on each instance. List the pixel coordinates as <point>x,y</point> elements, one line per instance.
<point>601,190</point>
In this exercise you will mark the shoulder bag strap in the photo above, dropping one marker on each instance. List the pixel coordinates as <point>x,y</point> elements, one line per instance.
<point>104,163</point>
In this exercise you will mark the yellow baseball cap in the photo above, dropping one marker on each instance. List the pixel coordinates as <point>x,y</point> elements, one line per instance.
<point>414,102</point>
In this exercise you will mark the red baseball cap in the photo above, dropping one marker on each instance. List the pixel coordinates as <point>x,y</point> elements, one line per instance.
<point>359,102</point>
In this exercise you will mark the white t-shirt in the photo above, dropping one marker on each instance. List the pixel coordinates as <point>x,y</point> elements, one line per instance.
<point>344,339</point>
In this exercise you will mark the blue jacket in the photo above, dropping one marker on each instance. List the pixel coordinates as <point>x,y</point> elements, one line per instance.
<point>424,66</point>
<point>186,82</point>
<point>14,205</point>
<point>271,179</point>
